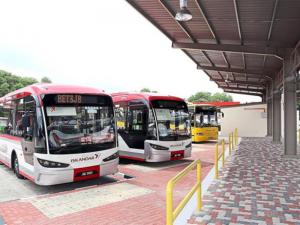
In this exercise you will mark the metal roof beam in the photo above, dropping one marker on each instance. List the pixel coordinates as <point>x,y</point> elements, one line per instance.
<point>255,50</point>
<point>201,9</point>
<point>259,84</point>
<point>258,73</point>
<point>241,89</point>
<point>243,93</point>
<point>272,21</point>
<point>238,20</point>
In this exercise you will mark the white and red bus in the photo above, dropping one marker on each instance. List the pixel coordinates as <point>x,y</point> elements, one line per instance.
<point>57,133</point>
<point>152,127</point>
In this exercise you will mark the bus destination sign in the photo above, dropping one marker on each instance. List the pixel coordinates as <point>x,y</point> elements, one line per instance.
<point>69,99</point>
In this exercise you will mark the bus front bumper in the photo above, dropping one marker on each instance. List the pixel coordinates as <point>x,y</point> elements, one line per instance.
<point>48,176</point>
<point>161,155</point>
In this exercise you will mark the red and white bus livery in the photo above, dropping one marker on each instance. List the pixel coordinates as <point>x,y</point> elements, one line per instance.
<point>152,127</point>
<point>55,134</point>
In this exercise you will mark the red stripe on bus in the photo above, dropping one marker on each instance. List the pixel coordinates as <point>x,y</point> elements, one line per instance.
<point>132,158</point>
<point>26,176</point>
<point>10,137</point>
<point>5,163</point>
<point>21,172</point>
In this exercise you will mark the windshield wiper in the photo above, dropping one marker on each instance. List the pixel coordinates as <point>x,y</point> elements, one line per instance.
<point>66,149</point>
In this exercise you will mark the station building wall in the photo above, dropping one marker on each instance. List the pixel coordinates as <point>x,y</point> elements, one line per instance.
<point>249,119</point>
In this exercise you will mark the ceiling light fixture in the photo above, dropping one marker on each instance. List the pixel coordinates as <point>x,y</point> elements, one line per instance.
<point>183,14</point>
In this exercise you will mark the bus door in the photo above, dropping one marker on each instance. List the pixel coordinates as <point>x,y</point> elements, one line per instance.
<point>136,124</point>
<point>27,112</point>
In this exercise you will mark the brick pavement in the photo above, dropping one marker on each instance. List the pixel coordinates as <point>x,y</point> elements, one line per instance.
<point>257,186</point>
<point>143,209</point>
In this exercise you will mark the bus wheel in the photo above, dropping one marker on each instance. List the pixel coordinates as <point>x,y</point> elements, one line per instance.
<point>16,167</point>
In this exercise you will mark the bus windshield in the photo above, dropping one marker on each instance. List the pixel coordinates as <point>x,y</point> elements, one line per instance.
<point>206,117</point>
<point>172,119</point>
<point>79,127</point>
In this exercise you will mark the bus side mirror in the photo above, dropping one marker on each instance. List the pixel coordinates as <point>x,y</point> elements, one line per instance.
<point>25,121</point>
<point>222,115</point>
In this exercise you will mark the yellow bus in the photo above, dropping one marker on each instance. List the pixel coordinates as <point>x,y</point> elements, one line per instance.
<point>204,122</point>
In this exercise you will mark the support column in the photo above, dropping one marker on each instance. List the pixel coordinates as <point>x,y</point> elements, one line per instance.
<point>269,117</point>
<point>269,110</point>
<point>290,110</point>
<point>276,116</point>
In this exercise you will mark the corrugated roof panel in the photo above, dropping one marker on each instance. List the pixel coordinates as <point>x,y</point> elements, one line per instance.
<point>235,60</point>
<point>254,61</point>
<point>217,58</point>
<point>199,57</point>
<point>287,22</point>
<point>255,21</point>
<point>222,17</point>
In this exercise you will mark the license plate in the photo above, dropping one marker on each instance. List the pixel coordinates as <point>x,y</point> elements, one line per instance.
<point>86,173</point>
<point>176,155</point>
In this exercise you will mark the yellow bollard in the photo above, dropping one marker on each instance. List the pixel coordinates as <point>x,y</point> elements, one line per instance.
<point>236,136</point>
<point>229,144</point>
<point>216,161</point>
<point>169,200</point>
<point>223,153</point>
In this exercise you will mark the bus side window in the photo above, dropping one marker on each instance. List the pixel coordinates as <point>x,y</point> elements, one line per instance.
<point>25,118</point>
<point>4,115</point>
<point>6,118</point>
<point>120,117</point>
<point>18,114</point>
<point>29,118</point>
<point>137,117</point>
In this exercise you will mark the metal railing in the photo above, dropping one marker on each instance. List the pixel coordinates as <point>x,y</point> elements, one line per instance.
<point>232,142</point>
<point>172,214</point>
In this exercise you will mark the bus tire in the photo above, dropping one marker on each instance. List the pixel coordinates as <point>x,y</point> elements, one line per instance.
<point>15,166</point>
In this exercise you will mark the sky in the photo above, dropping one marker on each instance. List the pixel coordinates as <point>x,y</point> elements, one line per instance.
<point>102,44</point>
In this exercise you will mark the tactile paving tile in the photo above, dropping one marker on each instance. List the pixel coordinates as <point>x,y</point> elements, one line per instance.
<point>77,201</point>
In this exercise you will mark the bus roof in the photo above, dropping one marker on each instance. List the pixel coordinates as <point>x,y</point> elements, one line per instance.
<point>127,96</point>
<point>218,104</point>
<point>45,88</point>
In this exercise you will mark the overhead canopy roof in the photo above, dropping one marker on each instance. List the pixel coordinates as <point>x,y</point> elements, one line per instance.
<point>238,43</point>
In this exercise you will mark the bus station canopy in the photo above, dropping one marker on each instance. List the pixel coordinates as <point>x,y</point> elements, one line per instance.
<point>241,45</point>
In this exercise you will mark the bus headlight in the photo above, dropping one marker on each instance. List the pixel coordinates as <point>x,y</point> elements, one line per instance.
<point>51,164</point>
<point>113,156</point>
<point>200,134</point>
<point>158,147</point>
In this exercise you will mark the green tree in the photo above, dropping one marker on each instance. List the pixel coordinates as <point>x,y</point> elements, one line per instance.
<point>10,82</point>
<point>221,97</point>
<point>46,80</point>
<point>208,97</point>
<point>200,97</point>
<point>147,90</point>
